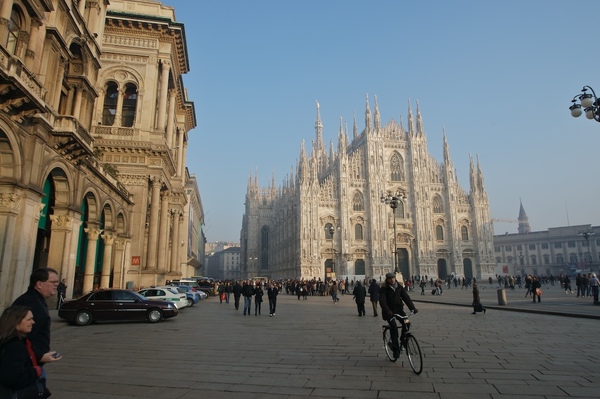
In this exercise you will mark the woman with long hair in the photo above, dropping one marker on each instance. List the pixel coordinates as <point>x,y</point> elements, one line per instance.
<point>19,369</point>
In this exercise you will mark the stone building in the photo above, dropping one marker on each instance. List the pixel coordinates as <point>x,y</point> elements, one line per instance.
<point>566,250</point>
<point>93,135</point>
<point>327,219</point>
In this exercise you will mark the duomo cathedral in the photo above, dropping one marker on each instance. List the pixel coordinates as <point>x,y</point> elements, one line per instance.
<point>328,218</point>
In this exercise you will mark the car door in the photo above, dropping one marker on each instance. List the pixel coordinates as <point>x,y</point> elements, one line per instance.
<point>102,306</point>
<point>130,306</point>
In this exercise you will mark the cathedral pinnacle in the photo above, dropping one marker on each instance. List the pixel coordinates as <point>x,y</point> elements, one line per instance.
<point>367,116</point>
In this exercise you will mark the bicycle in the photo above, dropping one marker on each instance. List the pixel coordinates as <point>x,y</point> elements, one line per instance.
<point>408,343</point>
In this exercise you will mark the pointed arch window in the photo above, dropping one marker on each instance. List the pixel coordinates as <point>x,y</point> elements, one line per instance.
<point>129,105</point>
<point>109,110</point>
<point>14,27</point>
<point>358,202</point>
<point>464,232</point>
<point>438,205</point>
<point>439,233</point>
<point>358,231</point>
<point>397,168</point>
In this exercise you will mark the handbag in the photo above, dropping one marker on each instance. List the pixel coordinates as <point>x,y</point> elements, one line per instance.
<point>37,390</point>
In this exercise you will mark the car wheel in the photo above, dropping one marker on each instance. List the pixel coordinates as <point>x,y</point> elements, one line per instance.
<point>154,315</point>
<point>190,302</point>
<point>83,318</point>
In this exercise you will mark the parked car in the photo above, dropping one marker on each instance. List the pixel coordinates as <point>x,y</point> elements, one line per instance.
<point>191,286</point>
<point>202,285</point>
<point>193,296</point>
<point>115,305</point>
<point>166,294</point>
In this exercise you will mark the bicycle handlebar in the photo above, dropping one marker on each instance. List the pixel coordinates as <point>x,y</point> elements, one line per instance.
<point>401,317</point>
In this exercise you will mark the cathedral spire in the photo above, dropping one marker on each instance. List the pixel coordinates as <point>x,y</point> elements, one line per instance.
<point>319,129</point>
<point>480,176</point>
<point>354,128</point>
<point>367,116</point>
<point>377,116</point>
<point>524,227</point>
<point>411,129</point>
<point>342,139</point>
<point>420,130</point>
<point>472,179</point>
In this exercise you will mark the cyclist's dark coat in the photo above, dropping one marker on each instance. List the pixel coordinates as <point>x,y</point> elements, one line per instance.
<point>392,300</point>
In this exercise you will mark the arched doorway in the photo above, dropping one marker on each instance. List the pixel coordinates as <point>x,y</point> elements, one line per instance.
<point>403,264</point>
<point>442,268</point>
<point>468,268</point>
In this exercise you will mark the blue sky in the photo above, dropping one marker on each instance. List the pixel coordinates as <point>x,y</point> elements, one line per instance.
<point>498,76</point>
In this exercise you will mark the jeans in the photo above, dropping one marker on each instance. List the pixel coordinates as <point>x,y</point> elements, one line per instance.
<point>247,304</point>
<point>272,305</point>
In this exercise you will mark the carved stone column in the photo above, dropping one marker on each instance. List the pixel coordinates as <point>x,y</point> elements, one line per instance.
<point>163,237</point>
<point>5,12</point>
<point>164,87</point>
<point>107,262</point>
<point>90,259</point>
<point>119,263</point>
<point>77,101</point>
<point>33,37</point>
<point>174,267</point>
<point>180,164</point>
<point>81,7</point>
<point>153,233</point>
<point>171,118</point>
<point>119,114</point>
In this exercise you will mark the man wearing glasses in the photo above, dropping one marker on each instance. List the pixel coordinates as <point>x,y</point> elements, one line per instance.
<point>43,283</point>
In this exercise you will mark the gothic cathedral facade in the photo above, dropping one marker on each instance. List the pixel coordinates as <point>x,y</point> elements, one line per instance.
<point>328,219</point>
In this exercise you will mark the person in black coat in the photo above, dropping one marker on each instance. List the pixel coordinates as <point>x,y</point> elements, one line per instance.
<point>477,306</point>
<point>19,368</point>
<point>374,294</point>
<point>272,293</point>
<point>43,283</point>
<point>247,292</point>
<point>392,297</point>
<point>258,294</point>
<point>360,293</point>
<point>237,292</point>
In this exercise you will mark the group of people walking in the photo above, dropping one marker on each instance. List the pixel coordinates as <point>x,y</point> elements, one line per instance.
<point>247,289</point>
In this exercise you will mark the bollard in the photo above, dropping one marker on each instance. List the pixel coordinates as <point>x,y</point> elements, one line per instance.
<point>502,297</point>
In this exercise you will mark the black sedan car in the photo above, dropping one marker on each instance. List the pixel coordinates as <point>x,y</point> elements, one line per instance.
<point>115,305</point>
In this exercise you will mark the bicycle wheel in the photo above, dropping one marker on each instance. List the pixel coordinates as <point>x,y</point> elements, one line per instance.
<point>387,344</point>
<point>413,351</point>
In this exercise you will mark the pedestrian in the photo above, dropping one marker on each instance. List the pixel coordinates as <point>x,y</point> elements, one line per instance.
<point>594,283</point>
<point>333,290</point>
<point>423,284</point>
<point>42,285</point>
<point>567,285</point>
<point>247,292</point>
<point>228,291</point>
<point>272,293</point>
<point>477,306</point>
<point>536,289</point>
<point>360,294</point>
<point>61,292</point>
<point>392,297</point>
<point>258,294</point>
<point>221,292</point>
<point>374,295</point>
<point>21,374</point>
<point>237,292</point>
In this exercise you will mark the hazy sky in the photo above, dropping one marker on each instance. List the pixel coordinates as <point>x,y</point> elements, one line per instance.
<point>498,76</point>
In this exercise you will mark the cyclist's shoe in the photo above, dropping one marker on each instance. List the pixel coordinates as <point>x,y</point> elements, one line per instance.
<point>396,354</point>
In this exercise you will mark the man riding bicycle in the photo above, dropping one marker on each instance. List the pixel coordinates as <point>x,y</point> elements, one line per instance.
<point>392,297</point>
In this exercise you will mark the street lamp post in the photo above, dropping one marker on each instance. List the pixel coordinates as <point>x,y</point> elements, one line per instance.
<point>522,266</point>
<point>586,235</point>
<point>589,102</point>
<point>331,230</point>
<point>393,199</point>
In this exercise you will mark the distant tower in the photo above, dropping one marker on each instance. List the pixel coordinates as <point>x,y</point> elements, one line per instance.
<point>524,227</point>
